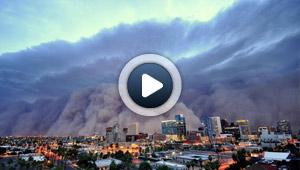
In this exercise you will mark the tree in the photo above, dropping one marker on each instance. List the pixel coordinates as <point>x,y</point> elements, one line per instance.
<point>240,159</point>
<point>10,161</point>
<point>119,155</point>
<point>234,166</point>
<point>163,167</point>
<point>188,164</point>
<point>101,155</point>
<point>147,150</point>
<point>86,162</point>
<point>2,150</point>
<point>200,162</point>
<point>127,160</point>
<point>2,165</point>
<point>113,166</point>
<point>212,165</point>
<point>145,166</point>
<point>58,168</point>
<point>72,153</point>
<point>22,163</point>
<point>193,164</point>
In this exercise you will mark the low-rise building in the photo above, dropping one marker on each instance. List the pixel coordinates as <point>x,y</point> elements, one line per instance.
<point>34,156</point>
<point>171,165</point>
<point>191,157</point>
<point>277,156</point>
<point>103,164</point>
<point>272,139</point>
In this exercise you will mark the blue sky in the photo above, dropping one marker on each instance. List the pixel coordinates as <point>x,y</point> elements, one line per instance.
<point>29,23</point>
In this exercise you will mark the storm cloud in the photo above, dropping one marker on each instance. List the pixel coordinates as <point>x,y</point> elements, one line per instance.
<point>243,64</point>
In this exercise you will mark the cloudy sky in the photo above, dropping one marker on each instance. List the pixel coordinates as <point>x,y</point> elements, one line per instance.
<point>238,60</point>
<point>33,22</point>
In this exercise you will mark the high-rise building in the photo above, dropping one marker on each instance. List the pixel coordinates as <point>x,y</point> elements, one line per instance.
<point>224,124</point>
<point>244,128</point>
<point>284,126</point>
<point>204,125</point>
<point>180,119</point>
<point>109,135</point>
<point>174,129</point>
<point>214,126</point>
<point>234,130</point>
<point>169,128</point>
<point>113,134</point>
<point>133,129</point>
<point>202,129</point>
<point>261,129</point>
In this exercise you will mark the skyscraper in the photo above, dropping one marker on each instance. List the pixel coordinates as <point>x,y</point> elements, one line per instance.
<point>113,134</point>
<point>214,126</point>
<point>174,129</point>
<point>169,127</point>
<point>284,126</point>
<point>181,125</point>
<point>244,128</point>
<point>133,129</point>
<point>224,124</point>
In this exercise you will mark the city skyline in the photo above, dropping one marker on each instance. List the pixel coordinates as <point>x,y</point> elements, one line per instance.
<point>213,146</point>
<point>244,67</point>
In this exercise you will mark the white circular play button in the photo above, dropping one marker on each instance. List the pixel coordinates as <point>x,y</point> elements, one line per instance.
<point>149,84</point>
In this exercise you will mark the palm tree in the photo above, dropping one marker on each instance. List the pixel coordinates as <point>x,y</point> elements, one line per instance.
<point>193,164</point>
<point>163,167</point>
<point>113,166</point>
<point>188,164</point>
<point>200,162</point>
<point>145,166</point>
<point>210,158</point>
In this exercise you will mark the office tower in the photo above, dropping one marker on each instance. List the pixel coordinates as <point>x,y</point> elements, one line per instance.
<point>174,129</point>
<point>133,129</point>
<point>214,126</point>
<point>109,135</point>
<point>202,129</point>
<point>284,126</point>
<point>262,129</point>
<point>224,124</point>
<point>244,128</point>
<point>169,127</point>
<point>113,134</point>
<point>205,122</point>
<point>234,130</point>
<point>181,125</point>
<point>123,135</point>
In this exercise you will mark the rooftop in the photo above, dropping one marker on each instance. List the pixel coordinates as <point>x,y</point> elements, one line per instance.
<point>172,164</point>
<point>106,162</point>
<point>276,156</point>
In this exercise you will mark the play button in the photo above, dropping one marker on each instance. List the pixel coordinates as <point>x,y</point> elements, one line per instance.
<point>149,85</point>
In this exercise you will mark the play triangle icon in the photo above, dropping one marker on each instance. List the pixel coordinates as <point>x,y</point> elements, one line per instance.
<point>150,85</point>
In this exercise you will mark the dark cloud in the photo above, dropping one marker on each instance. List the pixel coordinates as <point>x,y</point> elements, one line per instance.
<point>242,64</point>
